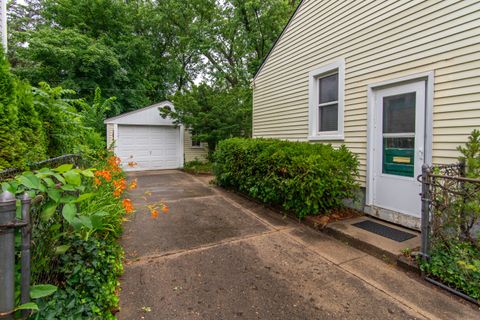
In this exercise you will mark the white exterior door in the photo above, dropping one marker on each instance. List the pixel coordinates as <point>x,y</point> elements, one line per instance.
<point>151,147</point>
<point>398,147</point>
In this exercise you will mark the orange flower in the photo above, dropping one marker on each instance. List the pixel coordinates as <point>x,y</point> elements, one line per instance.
<point>104,174</point>
<point>97,181</point>
<point>127,205</point>
<point>120,184</point>
<point>154,213</point>
<point>165,209</point>
<point>133,185</point>
<point>114,161</point>
<point>132,164</point>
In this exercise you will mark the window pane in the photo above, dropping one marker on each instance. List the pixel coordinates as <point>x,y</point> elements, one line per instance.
<point>399,113</point>
<point>328,88</point>
<point>399,156</point>
<point>328,118</point>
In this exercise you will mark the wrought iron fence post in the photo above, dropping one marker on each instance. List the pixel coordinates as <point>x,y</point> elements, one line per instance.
<point>26,256</point>
<point>7,255</point>
<point>426,198</point>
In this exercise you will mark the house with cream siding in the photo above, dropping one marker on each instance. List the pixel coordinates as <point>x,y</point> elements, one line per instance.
<point>396,81</point>
<point>152,142</point>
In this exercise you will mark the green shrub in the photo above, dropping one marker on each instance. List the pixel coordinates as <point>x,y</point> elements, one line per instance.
<point>31,127</point>
<point>11,146</point>
<point>90,270</point>
<point>305,178</point>
<point>77,218</point>
<point>454,257</point>
<point>456,264</point>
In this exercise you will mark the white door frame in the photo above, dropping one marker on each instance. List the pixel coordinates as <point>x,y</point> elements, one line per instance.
<point>429,79</point>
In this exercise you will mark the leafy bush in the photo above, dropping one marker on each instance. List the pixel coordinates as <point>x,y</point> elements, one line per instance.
<point>305,178</point>
<point>454,257</point>
<point>31,127</point>
<point>37,123</point>
<point>456,264</point>
<point>10,143</point>
<point>90,269</point>
<point>63,124</point>
<point>77,218</point>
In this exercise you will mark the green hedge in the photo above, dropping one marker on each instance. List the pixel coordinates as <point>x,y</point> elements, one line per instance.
<point>305,178</point>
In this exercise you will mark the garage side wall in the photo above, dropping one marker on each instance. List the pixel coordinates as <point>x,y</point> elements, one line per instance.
<point>194,153</point>
<point>379,41</point>
<point>110,134</point>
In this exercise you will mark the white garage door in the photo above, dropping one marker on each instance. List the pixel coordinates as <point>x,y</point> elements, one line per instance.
<point>151,147</point>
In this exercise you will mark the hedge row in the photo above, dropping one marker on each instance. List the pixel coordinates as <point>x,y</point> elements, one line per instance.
<point>305,178</point>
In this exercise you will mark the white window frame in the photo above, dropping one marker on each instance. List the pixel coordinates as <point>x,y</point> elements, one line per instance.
<point>313,103</point>
<point>195,144</point>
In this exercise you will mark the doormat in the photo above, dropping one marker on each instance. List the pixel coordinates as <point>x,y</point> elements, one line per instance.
<point>384,231</point>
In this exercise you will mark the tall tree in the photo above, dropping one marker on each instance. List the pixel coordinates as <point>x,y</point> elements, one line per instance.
<point>232,39</point>
<point>144,51</point>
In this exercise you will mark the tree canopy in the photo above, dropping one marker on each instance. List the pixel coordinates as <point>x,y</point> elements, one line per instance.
<point>146,51</point>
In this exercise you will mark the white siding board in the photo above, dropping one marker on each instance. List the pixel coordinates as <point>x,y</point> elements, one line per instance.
<point>379,41</point>
<point>193,153</point>
<point>363,34</point>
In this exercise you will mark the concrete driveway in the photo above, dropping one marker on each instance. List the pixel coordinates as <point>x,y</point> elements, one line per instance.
<point>219,256</point>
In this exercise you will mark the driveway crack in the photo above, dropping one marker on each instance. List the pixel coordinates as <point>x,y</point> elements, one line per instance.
<point>175,253</point>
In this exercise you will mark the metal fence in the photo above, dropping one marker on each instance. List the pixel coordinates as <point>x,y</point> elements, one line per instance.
<point>37,241</point>
<point>10,173</point>
<point>451,229</point>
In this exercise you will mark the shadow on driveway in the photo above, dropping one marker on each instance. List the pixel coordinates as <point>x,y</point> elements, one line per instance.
<point>216,255</point>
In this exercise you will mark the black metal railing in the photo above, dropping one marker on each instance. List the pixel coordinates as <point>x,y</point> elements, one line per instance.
<point>450,229</point>
<point>10,173</point>
<point>37,240</point>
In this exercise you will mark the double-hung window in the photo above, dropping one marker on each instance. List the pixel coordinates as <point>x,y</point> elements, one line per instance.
<point>326,102</point>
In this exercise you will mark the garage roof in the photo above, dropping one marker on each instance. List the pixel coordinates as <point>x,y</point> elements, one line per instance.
<point>145,116</point>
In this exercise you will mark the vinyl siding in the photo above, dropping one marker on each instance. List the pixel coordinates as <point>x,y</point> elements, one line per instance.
<point>110,134</point>
<point>379,40</point>
<point>194,153</point>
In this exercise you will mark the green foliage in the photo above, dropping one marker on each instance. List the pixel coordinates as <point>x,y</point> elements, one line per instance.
<point>90,269</point>
<point>471,154</point>
<point>145,51</point>
<point>77,219</point>
<point>68,59</point>
<point>31,127</point>
<point>63,124</point>
<point>212,114</point>
<point>456,264</point>
<point>197,166</point>
<point>454,257</point>
<point>37,123</point>
<point>10,144</point>
<point>94,114</point>
<point>307,179</point>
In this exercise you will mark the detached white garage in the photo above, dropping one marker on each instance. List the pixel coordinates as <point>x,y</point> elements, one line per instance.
<point>144,137</point>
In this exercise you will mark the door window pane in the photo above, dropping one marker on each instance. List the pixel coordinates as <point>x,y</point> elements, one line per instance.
<point>399,156</point>
<point>399,113</point>
<point>328,118</point>
<point>328,88</point>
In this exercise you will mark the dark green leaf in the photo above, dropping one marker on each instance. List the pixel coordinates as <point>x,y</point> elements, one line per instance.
<point>64,168</point>
<point>42,290</point>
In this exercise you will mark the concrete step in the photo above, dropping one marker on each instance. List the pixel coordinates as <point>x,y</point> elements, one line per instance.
<point>374,244</point>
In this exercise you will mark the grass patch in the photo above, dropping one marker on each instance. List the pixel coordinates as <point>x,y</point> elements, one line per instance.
<point>198,167</point>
